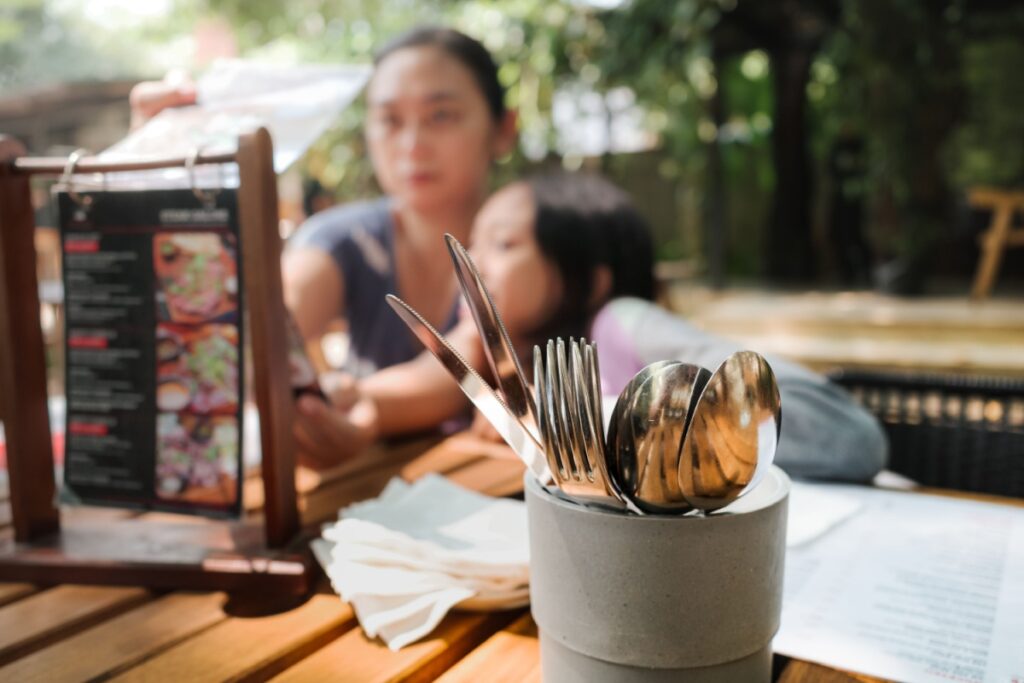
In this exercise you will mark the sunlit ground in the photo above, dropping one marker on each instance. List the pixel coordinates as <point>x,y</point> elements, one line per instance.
<point>949,333</point>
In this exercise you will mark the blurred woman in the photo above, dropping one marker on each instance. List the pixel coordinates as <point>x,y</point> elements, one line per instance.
<point>436,122</point>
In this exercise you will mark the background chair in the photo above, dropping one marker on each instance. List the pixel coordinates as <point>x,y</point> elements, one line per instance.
<point>1002,233</point>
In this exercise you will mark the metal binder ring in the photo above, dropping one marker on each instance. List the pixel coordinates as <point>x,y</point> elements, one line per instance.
<point>207,197</point>
<point>66,179</point>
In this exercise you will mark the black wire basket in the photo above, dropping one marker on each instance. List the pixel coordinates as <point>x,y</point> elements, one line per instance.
<point>964,433</point>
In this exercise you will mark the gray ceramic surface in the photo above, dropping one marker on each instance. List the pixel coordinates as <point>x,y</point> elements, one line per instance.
<point>563,665</point>
<point>642,593</point>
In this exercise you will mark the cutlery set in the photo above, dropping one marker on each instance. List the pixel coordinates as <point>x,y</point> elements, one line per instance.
<point>680,437</point>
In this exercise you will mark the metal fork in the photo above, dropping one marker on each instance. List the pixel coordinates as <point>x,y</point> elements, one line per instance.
<point>568,401</point>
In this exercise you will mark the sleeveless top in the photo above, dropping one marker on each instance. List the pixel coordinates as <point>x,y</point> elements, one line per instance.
<point>360,239</point>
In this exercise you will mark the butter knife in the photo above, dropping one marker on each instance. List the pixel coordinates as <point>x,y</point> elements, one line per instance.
<point>522,441</point>
<point>497,345</point>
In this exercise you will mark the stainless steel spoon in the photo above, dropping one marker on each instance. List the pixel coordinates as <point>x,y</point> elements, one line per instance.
<point>733,433</point>
<point>659,418</point>
<point>620,451</point>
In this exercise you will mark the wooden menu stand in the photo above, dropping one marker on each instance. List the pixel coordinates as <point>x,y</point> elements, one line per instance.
<point>83,545</point>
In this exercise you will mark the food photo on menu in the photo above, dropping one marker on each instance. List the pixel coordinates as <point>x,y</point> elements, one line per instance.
<point>196,275</point>
<point>197,459</point>
<point>197,369</point>
<point>198,385</point>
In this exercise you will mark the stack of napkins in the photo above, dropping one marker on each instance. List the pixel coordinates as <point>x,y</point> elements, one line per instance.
<point>405,558</point>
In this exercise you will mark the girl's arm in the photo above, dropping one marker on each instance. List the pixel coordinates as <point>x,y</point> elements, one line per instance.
<point>420,394</point>
<point>413,396</point>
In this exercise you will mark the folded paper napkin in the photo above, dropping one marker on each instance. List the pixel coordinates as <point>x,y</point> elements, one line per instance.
<point>405,558</point>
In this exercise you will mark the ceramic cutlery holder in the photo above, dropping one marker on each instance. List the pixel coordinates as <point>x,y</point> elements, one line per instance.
<point>656,598</point>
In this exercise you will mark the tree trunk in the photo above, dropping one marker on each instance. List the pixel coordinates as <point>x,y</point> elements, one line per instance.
<point>790,243</point>
<point>715,188</point>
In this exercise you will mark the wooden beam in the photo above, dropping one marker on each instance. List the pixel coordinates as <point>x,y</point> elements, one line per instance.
<point>86,165</point>
<point>23,404</point>
<point>264,299</point>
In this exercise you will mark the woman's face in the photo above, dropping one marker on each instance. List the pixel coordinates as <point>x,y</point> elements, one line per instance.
<point>430,131</point>
<point>525,286</point>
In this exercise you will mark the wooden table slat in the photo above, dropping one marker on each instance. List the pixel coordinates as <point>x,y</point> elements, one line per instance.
<point>798,671</point>
<point>9,592</point>
<point>354,658</point>
<point>362,483</point>
<point>245,648</point>
<point>447,456</point>
<point>511,655</point>
<point>120,642</point>
<point>495,477</point>
<point>38,620</point>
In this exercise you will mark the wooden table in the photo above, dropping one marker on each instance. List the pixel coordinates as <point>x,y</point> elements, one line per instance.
<point>77,633</point>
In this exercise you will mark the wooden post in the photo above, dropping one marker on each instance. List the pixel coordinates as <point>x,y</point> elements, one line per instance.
<point>23,404</point>
<point>261,254</point>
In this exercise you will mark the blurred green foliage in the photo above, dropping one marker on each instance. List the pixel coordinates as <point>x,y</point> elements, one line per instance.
<point>933,88</point>
<point>988,145</point>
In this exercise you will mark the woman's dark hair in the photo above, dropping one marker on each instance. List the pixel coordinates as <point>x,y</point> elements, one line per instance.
<point>584,221</point>
<point>469,52</point>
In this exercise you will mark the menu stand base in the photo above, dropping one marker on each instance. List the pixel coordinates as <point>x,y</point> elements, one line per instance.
<point>93,548</point>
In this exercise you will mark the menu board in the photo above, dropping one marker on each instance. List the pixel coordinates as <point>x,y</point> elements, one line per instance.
<point>152,283</point>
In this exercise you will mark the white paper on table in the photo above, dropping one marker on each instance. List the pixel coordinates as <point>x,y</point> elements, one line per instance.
<point>914,588</point>
<point>814,509</point>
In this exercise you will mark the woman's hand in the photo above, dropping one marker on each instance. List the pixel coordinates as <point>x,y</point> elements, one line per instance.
<point>149,98</point>
<point>327,436</point>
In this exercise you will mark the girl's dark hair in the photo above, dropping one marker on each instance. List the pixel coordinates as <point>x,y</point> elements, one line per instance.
<point>469,52</point>
<point>584,221</point>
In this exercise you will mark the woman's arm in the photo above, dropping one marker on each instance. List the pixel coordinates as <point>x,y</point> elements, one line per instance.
<point>314,289</point>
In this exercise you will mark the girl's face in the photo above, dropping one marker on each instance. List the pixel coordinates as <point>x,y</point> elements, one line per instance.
<point>525,286</point>
<point>430,132</point>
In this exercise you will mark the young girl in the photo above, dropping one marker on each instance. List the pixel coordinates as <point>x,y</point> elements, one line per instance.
<point>568,255</point>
